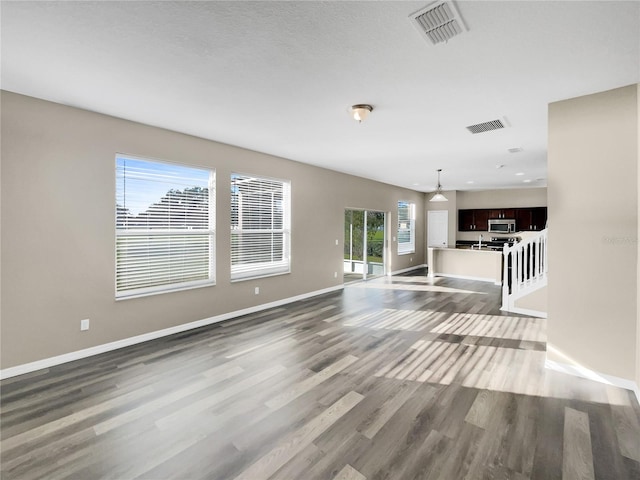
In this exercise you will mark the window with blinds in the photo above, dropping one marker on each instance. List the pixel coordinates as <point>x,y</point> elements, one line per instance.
<point>165,227</point>
<point>406,228</point>
<point>260,226</point>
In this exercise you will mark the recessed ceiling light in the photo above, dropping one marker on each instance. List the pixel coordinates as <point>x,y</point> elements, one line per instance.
<point>499,165</point>
<point>470,181</point>
<point>520,174</point>
<point>415,184</point>
<point>527,181</point>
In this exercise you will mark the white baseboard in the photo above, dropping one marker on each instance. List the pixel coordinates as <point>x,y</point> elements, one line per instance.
<point>405,270</point>
<point>465,277</point>
<point>126,342</point>
<point>526,311</point>
<point>580,371</point>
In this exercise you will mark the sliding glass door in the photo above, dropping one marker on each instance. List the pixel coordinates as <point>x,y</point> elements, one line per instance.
<point>364,244</point>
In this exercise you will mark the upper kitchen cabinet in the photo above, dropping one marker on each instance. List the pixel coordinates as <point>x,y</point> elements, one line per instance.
<point>477,219</point>
<point>531,219</point>
<point>473,219</point>
<point>502,213</point>
<point>466,220</point>
<point>539,218</point>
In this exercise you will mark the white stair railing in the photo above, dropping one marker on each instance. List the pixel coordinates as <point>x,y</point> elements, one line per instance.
<point>525,269</point>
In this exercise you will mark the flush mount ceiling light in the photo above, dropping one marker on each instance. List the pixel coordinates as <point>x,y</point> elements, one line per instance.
<point>438,196</point>
<point>360,112</point>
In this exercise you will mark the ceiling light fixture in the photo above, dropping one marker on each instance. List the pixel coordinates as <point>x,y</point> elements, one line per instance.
<point>439,197</point>
<point>360,112</point>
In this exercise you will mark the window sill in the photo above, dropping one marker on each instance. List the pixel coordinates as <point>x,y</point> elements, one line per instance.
<point>164,291</point>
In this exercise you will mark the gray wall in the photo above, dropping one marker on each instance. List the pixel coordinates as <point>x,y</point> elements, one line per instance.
<point>504,198</point>
<point>58,244</point>
<point>593,227</point>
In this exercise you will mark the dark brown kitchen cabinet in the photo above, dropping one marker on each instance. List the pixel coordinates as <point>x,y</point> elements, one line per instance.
<point>539,218</point>
<point>477,219</point>
<point>466,220</point>
<point>481,218</point>
<point>523,219</point>
<point>470,220</point>
<point>502,213</point>
<point>531,219</point>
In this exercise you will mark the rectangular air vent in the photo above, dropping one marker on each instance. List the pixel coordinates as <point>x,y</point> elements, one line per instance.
<point>486,126</point>
<point>438,22</point>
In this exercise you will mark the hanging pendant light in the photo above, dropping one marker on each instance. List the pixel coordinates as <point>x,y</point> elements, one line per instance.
<point>438,196</point>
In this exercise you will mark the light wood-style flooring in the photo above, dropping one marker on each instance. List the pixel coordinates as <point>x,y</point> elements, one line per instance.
<point>397,378</point>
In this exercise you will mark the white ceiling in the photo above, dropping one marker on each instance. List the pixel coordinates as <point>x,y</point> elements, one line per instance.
<point>278,77</point>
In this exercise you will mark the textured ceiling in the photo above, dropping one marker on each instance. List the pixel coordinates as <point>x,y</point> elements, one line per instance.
<point>278,77</point>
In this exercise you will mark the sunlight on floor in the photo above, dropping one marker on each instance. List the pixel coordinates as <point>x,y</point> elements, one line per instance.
<point>492,352</point>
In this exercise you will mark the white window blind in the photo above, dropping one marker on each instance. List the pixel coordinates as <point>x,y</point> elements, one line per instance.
<point>406,228</point>
<point>260,226</point>
<point>165,235</point>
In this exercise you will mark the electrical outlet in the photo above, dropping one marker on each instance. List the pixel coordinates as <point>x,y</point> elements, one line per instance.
<point>394,239</point>
<point>411,259</point>
<point>257,291</point>
<point>335,274</point>
<point>337,242</point>
<point>84,324</point>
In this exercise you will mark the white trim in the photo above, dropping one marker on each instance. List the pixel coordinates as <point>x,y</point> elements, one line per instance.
<point>583,372</point>
<point>465,277</point>
<point>530,288</point>
<point>405,270</point>
<point>126,342</point>
<point>525,311</point>
<point>407,248</point>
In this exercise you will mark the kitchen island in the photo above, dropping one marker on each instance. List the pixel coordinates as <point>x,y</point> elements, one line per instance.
<point>471,264</point>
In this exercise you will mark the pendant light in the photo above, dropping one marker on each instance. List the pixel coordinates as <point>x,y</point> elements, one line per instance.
<point>438,196</point>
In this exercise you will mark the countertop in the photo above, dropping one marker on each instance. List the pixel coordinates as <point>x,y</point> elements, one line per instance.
<point>467,249</point>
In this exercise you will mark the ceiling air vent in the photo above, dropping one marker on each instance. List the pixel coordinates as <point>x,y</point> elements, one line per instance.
<point>486,126</point>
<point>438,22</point>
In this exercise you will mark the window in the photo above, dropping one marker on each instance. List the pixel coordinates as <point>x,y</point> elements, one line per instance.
<point>165,235</point>
<point>406,228</point>
<point>260,227</point>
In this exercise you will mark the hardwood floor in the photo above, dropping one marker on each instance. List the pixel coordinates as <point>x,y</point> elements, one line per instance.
<point>398,378</point>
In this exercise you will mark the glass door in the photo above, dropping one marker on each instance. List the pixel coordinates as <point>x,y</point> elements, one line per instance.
<point>374,237</point>
<point>364,244</point>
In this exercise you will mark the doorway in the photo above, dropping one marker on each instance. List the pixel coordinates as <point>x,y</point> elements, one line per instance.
<point>364,244</point>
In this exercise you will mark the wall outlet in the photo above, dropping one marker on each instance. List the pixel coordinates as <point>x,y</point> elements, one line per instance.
<point>335,274</point>
<point>337,242</point>
<point>84,324</point>
<point>411,259</point>
<point>394,239</point>
<point>257,290</point>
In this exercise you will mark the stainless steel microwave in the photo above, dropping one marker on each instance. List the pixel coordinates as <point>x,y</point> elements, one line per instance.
<point>502,225</point>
